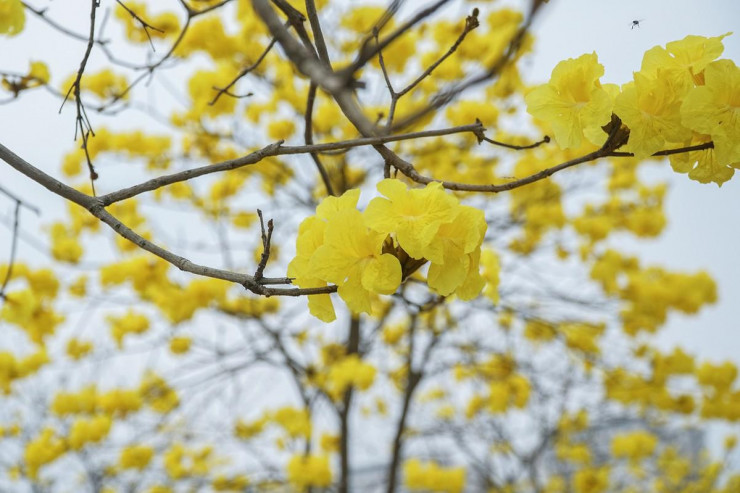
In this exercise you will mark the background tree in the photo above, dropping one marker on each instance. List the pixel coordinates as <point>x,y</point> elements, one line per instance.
<point>484,334</point>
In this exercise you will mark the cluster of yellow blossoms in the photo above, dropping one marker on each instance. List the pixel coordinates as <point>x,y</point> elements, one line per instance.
<point>12,17</point>
<point>371,252</point>
<point>682,96</point>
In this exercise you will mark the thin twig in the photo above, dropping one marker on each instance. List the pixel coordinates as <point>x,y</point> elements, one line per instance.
<point>82,123</point>
<point>471,23</point>
<point>244,71</point>
<point>95,206</point>
<point>275,149</point>
<point>266,237</point>
<point>18,200</point>
<point>144,24</point>
<point>308,138</point>
<point>318,35</point>
<point>13,249</point>
<point>447,95</point>
<point>368,51</point>
<point>544,140</point>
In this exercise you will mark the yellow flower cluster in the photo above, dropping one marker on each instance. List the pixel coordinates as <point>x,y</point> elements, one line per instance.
<point>148,277</point>
<point>136,457</point>
<point>12,17</point>
<point>180,462</point>
<point>370,253</point>
<point>295,422</point>
<point>130,323</point>
<point>591,480</point>
<point>157,394</point>
<point>180,345</point>
<point>88,430</point>
<point>154,150</point>
<point>650,292</point>
<point>115,402</point>
<point>348,372</point>
<point>682,96</point>
<point>502,394</point>
<point>430,476</point>
<point>78,349</point>
<point>634,446</point>
<point>38,75</point>
<point>305,471</point>
<point>42,450</point>
<point>233,483</point>
<point>30,309</point>
<point>12,368</point>
<point>166,23</point>
<point>104,84</point>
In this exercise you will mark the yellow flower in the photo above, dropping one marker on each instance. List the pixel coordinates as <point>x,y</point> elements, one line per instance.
<point>88,430</point>
<point>130,323</point>
<point>650,108</point>
<point>460,241</point>
<point>415,216</point>
<point>714,109</point>
<point>352,258</point>
<point>280,129</point>
<point>349,372</point>
<point>682,62</point>
<point>39,71</point>
<point>310,238</point>
<point>296,422</point>
<point>42,450</point>
<point>312,470</point>
<point>429,476</point>
<point>136,457</point>
<point>591,480</point>
<point>77,349</point>
<point>180,345</point>
<point>634,446</point>
<point>155,391</point>
<point>12,17</point>
<point>573,102</point>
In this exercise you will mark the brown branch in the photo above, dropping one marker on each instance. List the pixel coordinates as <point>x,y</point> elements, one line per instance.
<point>318,35</point>
<point>544,140</point>
<point>245,71</point>
<point>82,123</point>
<point>353,345</point>
<point>308,138</point>
<point>276,149</point>
<point>20,201</point>
<point>412,382</point>
<point>368,51</point>
<point>96,207</point>
<point>41,14</point>
<point>444,97</point>
<point>266,237</point>
<point>13,249</point>
<point>669,152</point>
<point>471,23</point>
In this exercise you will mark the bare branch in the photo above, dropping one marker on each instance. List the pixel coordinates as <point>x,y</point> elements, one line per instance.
<point>368,51</point>
<point>275,149</point>
<point>245,71</point>
<point>144,24</point>
<point>96,207</point>
<point>308,138</point>
<point>266,237</point>
<point>13,249</point>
